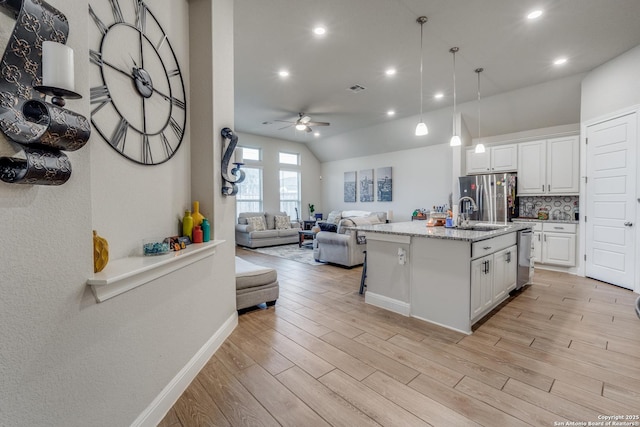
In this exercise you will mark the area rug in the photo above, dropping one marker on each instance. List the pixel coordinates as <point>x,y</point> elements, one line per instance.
<point>290,252</point>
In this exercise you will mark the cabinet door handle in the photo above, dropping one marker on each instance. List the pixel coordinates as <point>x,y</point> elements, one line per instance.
<point>487,266</point>
<point>558,228</point>
<point>543,188</point>
<point>508,257</point>
<point>545,237</point>
<point>628,224</point>
<point>538,237</point>
<point>548,187</point>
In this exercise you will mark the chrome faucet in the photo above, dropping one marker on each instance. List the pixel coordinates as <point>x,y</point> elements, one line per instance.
<point>463,217</point>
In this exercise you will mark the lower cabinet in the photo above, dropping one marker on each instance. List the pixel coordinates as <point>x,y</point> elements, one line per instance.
<point>492,278</point>
<point>555,244</point>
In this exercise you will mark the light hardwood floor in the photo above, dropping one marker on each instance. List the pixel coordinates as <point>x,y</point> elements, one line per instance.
<point>564,349</point>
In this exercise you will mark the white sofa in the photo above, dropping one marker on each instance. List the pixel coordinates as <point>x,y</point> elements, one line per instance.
<point>345,246</point>
<point>247,235</point>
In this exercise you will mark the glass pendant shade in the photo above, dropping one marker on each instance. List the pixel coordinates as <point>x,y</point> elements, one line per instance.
<point>480,148</point>
<point>421,129</point>
<point>455,141</point>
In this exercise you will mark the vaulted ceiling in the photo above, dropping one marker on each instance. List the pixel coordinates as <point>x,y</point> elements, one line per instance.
<point>364,38</point>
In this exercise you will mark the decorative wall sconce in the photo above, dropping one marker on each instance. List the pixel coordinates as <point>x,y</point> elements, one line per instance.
<point>231,142</point>
<point>40,128</point>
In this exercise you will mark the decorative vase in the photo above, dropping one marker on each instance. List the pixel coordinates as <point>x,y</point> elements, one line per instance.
<point>196,215</point>
<point>100,252</point>
<point>187,225</point>
<point>197,234</point>
<point>206,230</point>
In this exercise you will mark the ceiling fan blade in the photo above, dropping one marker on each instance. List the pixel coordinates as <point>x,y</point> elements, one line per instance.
<point>318,124</point>
<point>288,126</point>
<point>308,129</point>
<point>285,121</point>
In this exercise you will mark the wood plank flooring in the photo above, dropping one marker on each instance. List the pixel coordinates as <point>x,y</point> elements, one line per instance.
<point>563,349</point>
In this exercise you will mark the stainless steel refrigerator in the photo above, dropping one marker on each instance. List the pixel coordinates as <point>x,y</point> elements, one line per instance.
<point>495,196</point>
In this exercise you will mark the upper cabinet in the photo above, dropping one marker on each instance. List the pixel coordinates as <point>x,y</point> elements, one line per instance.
<point>549,167</point>
<point>502,158</point>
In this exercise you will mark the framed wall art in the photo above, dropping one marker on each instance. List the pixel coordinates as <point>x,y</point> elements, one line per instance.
<point>366,185</point>
<point>350,187</point>
<point>385,184</point>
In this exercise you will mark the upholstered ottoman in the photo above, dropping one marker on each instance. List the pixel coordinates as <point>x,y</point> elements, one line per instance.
<point>255,284</point>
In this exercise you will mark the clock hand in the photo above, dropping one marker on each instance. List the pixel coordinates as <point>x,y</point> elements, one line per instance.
<point>126,73</point>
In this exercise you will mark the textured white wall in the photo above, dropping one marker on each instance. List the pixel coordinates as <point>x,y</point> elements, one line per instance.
<point>309,166</point>
<point>612,86</point>
<point>421,179</point>
<point>64,359</point>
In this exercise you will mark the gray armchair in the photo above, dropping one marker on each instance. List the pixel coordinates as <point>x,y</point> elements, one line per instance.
<point>346,246</point>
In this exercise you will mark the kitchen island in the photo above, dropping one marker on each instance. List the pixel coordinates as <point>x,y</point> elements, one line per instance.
<point>447,276</point>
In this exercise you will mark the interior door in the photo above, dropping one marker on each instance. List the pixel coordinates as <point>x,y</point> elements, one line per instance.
<point>611,200</point>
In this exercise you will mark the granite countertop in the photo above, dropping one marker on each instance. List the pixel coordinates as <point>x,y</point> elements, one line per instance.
<point>419,229</point>
<point>564,221</point>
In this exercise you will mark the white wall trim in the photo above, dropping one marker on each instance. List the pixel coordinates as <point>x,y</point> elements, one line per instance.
<point>156,411</point>
<point>387,303</point>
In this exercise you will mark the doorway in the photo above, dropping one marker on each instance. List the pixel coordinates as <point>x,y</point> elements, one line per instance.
<point>611,201</point>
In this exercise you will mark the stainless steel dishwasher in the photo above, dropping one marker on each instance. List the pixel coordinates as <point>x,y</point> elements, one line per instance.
<point>525,263</point>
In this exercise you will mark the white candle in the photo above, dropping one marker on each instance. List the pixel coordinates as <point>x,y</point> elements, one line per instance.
<point>238,155</point>
<point>57,66</point>
<point>389,215</point>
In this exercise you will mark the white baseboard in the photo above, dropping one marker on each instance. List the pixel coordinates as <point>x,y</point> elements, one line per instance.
<point>387,303</point>
<point>156,411</point>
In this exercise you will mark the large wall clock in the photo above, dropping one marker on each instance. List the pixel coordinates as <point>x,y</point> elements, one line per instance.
<point>137,90</point>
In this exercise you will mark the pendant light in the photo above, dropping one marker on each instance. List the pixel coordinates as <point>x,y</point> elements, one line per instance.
<point>455,139</point>
<point>479,145</point>
<point>421,129</point>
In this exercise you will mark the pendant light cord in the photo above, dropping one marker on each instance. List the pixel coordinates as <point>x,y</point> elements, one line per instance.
<point>421,65</point>
<point>479,70</point>
<point>454,50</point>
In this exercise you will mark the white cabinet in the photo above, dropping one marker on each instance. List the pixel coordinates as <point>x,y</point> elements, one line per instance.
<point>549,166</point>
<point>481,286</point>
<point>505,272</point>
<point>559,244</point>
<point>554,243</point>
<point>492,278</point>
<point>502,158</point>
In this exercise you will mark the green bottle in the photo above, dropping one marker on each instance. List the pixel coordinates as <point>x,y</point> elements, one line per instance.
<point>187,225</point>
<point>206,230</point>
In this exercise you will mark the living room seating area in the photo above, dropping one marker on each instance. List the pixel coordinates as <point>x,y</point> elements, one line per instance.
<point>259,229</point>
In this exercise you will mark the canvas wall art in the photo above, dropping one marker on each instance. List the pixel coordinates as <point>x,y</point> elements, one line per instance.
<point>385,184</point>
<point>366,185</point>
<point>350,187</point>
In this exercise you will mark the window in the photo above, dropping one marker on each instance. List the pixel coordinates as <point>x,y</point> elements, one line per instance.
<point>290,192</point>
<point>289,158</point>
<point>249,197</point>
<point>252,154</point>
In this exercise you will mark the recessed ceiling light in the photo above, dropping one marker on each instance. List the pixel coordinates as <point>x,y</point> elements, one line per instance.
<point>391,113</point>
<point>439,95</point>
<point>283,73</point>
<point>390,71</point>
<point>534,14</point>
<point>319,31</point>
<point>560,61</point>
<point>316,134</point>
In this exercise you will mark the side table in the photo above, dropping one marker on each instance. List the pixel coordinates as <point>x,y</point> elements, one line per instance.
<point>303,234</point>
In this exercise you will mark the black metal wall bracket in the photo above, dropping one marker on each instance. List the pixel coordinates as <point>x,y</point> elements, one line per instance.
<point>231,140</point>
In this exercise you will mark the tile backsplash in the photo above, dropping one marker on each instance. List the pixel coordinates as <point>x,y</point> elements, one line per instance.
<point>559,207</point>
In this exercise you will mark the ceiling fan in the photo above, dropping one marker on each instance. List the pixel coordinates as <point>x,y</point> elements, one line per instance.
<point>303,123</point>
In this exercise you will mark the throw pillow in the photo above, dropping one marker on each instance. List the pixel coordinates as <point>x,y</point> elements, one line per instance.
<point>257,223</point>
<point>334,217</point>
<point>282,222</point>
<point>344,225</point>
<point>327,226</point>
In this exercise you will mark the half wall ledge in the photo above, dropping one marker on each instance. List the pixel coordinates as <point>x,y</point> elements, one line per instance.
<point>122,275</point>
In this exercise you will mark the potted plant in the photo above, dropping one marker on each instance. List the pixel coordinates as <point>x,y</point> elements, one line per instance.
<point>312,209</point>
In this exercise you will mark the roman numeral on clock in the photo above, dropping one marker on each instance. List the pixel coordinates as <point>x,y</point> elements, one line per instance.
<point>147,157</point>
<point>117,12</point>
<point>141,16</point>
<point>99,95</point>
<point>119,137</point>
<point>101,26</point>
<point>168,150</point>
